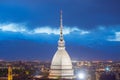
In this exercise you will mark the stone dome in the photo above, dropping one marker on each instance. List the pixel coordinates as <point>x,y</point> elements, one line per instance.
<point>61,66</point>
<point>61,60</point>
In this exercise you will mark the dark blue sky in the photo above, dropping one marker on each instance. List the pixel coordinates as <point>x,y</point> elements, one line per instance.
<point>29,29</point>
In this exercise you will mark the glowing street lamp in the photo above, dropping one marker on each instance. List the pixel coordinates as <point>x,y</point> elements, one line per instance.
<point>107,68</point>
<point>81,75</point>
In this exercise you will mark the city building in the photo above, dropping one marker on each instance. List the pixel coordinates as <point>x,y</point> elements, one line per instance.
<point>10,77</point>
<point>61,65</point>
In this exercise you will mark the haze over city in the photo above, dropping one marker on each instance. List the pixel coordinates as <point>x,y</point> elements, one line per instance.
<point>29,29</point>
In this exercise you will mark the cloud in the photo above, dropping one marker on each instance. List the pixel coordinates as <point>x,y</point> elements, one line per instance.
<point>96,34</point>
<point>82,32</point>
<point>13,27</point>
<point>56,31</point>
<point>46,29</point>
<point>116,37</point>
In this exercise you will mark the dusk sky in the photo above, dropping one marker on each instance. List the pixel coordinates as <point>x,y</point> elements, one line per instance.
<point>29,29</point>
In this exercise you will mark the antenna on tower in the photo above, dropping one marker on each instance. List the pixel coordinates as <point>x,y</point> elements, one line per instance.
<point>61,26</point>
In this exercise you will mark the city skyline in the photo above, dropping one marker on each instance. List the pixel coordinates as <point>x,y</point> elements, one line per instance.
<point>29,30</point>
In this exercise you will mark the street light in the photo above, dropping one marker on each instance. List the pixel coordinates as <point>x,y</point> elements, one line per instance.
<point>81,76</point>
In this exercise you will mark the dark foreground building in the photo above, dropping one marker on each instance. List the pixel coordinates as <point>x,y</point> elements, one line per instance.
<point>108,76</point>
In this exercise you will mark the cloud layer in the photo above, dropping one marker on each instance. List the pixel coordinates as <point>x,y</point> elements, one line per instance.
<point>99,33</point>
<point>12,27</point>
<point>116,37</point>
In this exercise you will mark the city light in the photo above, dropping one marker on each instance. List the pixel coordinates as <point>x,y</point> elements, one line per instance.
<point>81,75</point>
<point>107,69</point>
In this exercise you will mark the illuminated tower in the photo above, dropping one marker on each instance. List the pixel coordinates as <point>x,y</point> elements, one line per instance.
<point>61,66</point>
<point>10,77</point>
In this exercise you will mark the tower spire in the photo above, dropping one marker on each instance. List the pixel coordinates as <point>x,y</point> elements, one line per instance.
<point>61,43</point>
<point>61,26</point>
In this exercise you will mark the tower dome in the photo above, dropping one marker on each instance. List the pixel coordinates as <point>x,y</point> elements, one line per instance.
<point>61,65</point>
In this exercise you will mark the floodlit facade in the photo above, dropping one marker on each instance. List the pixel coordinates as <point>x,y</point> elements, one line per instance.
<point>61,66</point>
